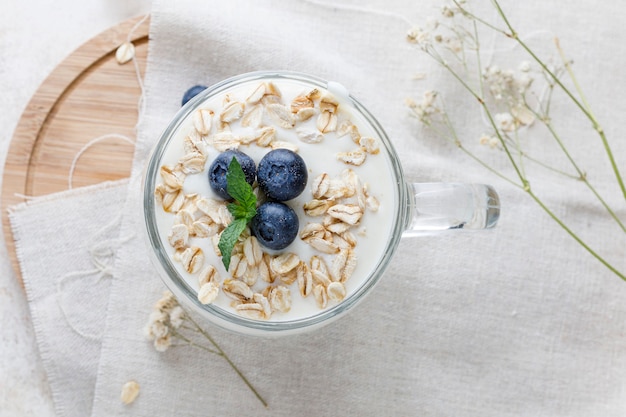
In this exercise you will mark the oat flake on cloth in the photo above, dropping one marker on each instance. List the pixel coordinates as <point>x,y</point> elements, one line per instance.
<point>513,322</point>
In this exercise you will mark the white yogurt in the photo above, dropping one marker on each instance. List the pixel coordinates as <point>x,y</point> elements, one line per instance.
<point>373,231</point>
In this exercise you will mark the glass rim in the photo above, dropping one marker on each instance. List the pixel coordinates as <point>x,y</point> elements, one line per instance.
<point>178,285</point>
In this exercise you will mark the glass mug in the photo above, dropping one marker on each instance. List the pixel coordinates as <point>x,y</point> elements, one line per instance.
<point>400,208</point>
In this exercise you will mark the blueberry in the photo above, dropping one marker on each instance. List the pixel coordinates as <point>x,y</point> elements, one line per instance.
<point>192,92</point>
<point>282,174</point>
<point>275,225</point>
<point>219,168</point>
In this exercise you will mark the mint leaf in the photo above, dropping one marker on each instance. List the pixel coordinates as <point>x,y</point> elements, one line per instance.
<point>241,191</point>
<point>237,186</point>
<point>238,211</point>
<point>243,209</point>
<point>229,239</point>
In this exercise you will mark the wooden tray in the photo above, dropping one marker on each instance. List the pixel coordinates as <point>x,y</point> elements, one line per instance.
<point>88,95</point>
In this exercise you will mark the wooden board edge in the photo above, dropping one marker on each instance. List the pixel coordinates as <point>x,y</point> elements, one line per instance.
<point>38,108</point>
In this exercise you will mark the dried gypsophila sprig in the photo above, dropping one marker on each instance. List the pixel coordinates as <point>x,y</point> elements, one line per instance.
<point>169,321</point>
<point>507,103</point>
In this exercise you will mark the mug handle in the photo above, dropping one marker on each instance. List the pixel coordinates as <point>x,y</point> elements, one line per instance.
<point>435,207</point>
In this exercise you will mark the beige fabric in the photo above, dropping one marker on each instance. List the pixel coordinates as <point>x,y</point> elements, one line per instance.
<point>518,321</point>
<point>66,243</point>
<point>511,322</point>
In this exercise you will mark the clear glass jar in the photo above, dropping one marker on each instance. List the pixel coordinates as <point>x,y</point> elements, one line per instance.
<point>417,209</point>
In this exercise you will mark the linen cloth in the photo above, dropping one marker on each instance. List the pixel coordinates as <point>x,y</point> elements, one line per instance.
<point>65,243</point>
<point>513,322</point>
<point>34,40</point>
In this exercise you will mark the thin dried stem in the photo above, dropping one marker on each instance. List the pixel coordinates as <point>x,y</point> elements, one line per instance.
<point>592,117</point>
<point>485,108</point>
<point>190,342</point>
<point>575,236</point>
<point>512,146</point>
<point>230,362</point>
<point>581,104</point>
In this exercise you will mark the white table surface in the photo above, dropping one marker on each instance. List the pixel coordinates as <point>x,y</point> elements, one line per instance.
<point>35,37</point>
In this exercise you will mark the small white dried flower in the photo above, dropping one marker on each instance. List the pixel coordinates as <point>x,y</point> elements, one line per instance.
<point>492,70</point>
<point>166,316</point>
<point>158,315</point>
<point>410,103</point>
<point>505,122</point>
<point>491,141</point>
<point>412,35</point>
<point>422,36</point>
<point>163,343</point>
<point>147,332</point>
<point>159,329</point>
<point>426,108</point>
<point>177,316</point>
<point>417,35</point>
<point>523,83</point>
<point>498,81</point>
<point>165,304</point>
<point>523,115</point>
<point>428,100</point>
<point>454,44</point>
<point>447,11</point>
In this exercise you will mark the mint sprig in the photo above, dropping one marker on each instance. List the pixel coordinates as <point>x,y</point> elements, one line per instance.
<point>243,209</point>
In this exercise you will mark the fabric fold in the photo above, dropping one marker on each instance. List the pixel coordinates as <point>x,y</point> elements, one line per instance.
<point>65,243</point>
